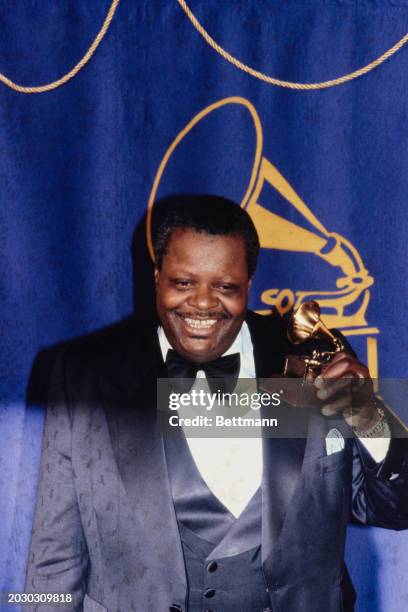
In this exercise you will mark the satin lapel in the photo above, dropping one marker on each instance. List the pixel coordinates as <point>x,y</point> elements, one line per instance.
<point>282,457</point>
<point>267,341</point>
<point>130,402</point>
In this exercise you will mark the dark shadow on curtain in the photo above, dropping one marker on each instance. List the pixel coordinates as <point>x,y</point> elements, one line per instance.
<point>144,310</point>
<point>143,278</point>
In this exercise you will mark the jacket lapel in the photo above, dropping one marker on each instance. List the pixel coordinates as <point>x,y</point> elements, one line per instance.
<point>282,457</point>
<point>129,389</point>
<point>268,343</point>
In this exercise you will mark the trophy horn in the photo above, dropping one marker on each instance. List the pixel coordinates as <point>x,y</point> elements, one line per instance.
<point>306,324</point>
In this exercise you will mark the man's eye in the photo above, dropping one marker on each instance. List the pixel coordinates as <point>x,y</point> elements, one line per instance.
<point>183,284</point>
<point>227,288</point>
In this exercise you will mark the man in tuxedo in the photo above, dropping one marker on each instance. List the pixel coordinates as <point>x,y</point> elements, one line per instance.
<point>130,520</point>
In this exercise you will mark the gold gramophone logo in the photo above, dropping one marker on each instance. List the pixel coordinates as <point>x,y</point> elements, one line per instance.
<point>345,306</point>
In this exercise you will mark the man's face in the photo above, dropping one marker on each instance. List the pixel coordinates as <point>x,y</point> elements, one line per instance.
<point>202,293</point>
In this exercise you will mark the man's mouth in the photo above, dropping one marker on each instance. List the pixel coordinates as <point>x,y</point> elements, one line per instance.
<point>199,323</point>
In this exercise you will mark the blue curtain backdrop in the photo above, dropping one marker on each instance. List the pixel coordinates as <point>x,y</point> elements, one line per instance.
<point>78,165</point>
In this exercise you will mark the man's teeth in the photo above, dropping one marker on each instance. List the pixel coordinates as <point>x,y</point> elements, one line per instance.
<point>200,323</point>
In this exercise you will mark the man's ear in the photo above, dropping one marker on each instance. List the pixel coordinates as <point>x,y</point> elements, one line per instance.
<point>156,276</point>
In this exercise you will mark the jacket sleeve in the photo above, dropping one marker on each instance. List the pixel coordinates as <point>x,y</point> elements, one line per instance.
<point>380,490</point>
<point>58,557</point>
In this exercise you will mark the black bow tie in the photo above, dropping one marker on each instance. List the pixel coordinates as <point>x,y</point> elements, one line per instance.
<point>224,369</point>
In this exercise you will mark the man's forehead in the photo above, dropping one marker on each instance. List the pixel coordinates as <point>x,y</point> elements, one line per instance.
<point>183,238</point>
<point>193,249</point>
<point>180,232</point>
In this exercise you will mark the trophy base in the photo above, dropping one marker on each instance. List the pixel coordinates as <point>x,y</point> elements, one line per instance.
<point>301,366</point>
<point>297,384</point>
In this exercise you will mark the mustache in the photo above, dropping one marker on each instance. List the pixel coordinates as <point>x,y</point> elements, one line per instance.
<point>201,314</point>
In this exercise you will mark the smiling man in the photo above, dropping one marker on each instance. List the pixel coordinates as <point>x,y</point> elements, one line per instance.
<point>128,520</point>
<point>202,282</point>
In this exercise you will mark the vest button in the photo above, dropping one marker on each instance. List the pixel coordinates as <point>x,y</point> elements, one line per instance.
<point>211,567</point>
<point>209,593</point>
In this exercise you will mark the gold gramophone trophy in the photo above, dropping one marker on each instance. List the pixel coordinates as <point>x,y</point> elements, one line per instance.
<point>300,371</point>
<point>305,324</point>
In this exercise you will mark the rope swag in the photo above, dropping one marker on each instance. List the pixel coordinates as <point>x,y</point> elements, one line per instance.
<point>278,82</point>
<point>70,75</point>
<point>220,50</point>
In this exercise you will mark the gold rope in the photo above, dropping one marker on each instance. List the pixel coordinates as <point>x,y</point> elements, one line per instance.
<point>75,69</point>
<point>288,84</point>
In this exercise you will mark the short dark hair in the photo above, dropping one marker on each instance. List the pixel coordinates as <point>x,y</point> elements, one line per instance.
<point>207,214</point>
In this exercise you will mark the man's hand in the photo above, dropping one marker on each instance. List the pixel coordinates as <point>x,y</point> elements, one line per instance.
<point>345,387</point>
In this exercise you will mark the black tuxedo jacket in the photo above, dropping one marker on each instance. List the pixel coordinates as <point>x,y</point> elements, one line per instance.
<point>105,529</point>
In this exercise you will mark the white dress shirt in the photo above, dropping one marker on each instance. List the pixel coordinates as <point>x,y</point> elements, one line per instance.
<point>232,467</point>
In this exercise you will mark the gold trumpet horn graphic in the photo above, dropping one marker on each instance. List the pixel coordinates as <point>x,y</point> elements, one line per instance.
<point>301,231</point>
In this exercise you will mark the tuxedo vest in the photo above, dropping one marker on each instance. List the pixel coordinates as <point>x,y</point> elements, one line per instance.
<point>222,554</point>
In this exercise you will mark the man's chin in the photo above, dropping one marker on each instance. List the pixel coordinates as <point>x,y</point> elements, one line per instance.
<point>198,349</point>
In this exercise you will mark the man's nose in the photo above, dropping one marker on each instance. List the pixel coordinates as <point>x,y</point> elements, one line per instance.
<point>203,298</point>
